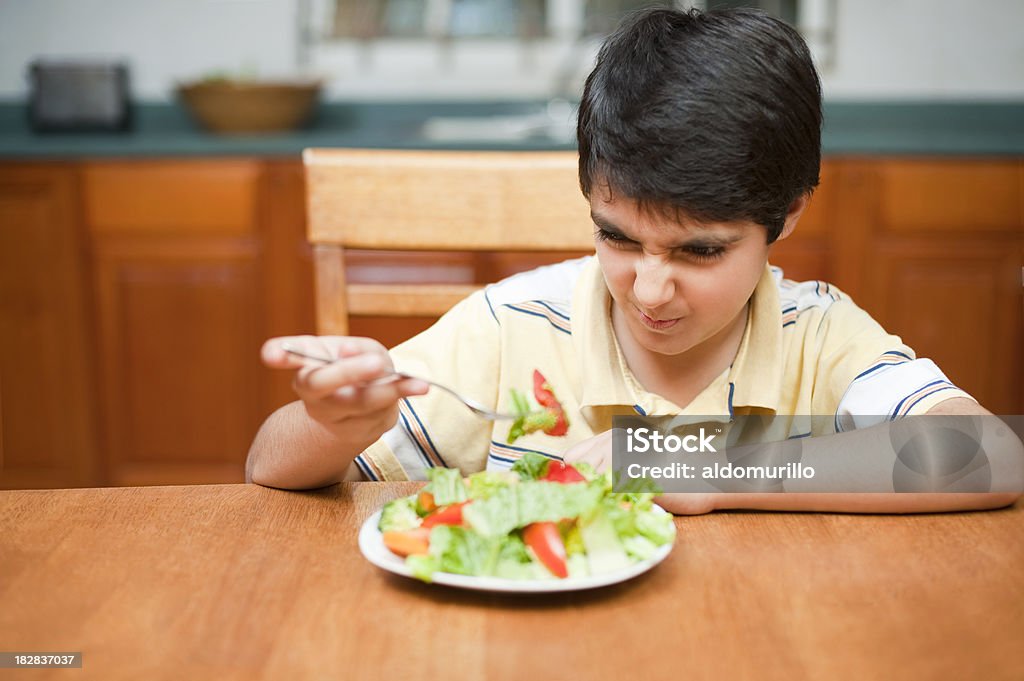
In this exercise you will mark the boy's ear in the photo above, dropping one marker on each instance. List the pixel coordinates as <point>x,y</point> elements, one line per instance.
<point>796,209</point>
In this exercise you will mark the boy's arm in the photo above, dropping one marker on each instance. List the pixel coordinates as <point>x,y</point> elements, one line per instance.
<point>866,502</point>
<point>292,451</point>
<point>311,443</point>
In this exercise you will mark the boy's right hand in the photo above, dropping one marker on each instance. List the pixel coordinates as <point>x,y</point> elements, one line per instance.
<point>342,396</point>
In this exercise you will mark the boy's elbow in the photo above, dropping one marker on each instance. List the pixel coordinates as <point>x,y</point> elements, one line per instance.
<point>248,471</point>
<point>993,500</point>
<point>252,471</point>
<point>962,501</point>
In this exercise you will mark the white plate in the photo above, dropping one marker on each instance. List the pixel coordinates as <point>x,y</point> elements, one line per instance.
<point>371,543</point>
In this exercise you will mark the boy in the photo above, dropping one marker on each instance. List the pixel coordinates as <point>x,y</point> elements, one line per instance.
<point>699,139</point>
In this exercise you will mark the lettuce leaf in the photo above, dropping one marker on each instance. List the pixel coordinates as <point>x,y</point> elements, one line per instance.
<point>538,500</point>
<point>399,515</point>
<point>530,465</point>
<point>496,515</point>
<point>605,552</point>
<point>530,501</point>
<point>485,484</point>
<point>462,551</point>
<point>447,486</point>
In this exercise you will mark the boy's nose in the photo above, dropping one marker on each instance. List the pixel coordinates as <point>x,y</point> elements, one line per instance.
<point>653,286</point>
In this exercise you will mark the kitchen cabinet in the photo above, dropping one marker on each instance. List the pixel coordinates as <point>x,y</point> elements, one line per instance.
<point>934,248</point>
<point>136,293</point>
<point>807,252</point>
<point>47,380</point>
<point>196,262</point>
<point>176,256</point>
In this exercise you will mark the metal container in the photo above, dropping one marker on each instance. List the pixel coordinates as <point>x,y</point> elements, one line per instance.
<point>71,96</point>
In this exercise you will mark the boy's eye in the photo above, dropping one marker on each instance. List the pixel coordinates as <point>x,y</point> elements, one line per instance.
<point>695,253</point>
<point>612,237</point>
<point>705,252</point>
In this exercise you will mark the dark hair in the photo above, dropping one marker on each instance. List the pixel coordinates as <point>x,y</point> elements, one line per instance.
<point>715,114</point>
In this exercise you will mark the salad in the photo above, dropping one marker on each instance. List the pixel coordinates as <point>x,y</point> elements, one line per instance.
<point>543,519</point>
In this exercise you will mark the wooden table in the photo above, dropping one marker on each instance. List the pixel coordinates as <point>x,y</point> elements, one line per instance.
<point>244,582</point>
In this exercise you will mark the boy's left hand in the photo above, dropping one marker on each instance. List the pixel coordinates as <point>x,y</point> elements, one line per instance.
<point>596,451</point>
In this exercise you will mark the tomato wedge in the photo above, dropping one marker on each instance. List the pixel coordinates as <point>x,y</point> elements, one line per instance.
<point>408,543</point>
<point>546,542</point>
<point>545,397</point>
<point>561,426</point>
<point>542,392</point>
<point>449,515</point>
<point>559,471</point>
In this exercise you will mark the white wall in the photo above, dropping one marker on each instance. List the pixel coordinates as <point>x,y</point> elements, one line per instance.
<point>163,40</point>
<point>928,49</point>
<point>884,49</point>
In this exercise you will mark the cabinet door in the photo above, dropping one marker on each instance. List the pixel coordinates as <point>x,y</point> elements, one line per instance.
<point>936,248</point>
<point>287,270</point>
<point>958,303</point>
<point>805,253</point>
<point>48,434</point>
<point>179,332</point>
<point>176,248</point>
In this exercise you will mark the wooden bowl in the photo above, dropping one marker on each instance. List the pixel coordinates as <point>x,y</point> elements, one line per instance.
<point>235,106</point>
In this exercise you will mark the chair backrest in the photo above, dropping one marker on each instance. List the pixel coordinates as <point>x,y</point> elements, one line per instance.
<point>432,201</point>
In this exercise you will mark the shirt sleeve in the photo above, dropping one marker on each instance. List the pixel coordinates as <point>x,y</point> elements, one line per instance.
<point>461,350</point>
<point>867,376</point>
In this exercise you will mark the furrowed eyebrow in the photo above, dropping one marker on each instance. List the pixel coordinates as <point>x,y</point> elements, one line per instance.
<point>710,241</point>
<point>700,240</point>
<point>607,226</point>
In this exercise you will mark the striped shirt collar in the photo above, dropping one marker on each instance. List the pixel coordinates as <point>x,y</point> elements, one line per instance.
<point>756,373</point>
<point>754,379</point>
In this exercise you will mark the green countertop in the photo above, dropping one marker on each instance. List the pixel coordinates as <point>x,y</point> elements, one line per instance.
<point>162,130</point>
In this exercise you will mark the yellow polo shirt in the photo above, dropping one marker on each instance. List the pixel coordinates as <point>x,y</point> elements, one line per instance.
<point>807,350</point>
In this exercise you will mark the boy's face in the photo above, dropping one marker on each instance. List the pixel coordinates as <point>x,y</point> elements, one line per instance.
<point>676,286</point>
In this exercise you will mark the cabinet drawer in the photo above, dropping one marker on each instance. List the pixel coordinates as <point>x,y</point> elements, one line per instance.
<point>208,196</point>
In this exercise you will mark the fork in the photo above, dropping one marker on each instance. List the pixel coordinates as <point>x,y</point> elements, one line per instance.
<point>474,406</point>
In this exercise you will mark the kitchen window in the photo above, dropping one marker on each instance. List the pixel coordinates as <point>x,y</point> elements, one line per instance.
<point>486,49</point>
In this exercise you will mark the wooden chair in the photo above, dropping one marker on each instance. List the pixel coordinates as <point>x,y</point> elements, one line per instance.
<point>432,201</point>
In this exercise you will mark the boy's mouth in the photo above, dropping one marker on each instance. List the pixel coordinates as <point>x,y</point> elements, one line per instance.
<point>657,324</point>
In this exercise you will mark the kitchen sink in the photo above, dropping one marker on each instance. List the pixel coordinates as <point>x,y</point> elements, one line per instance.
<point>555,122</point>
